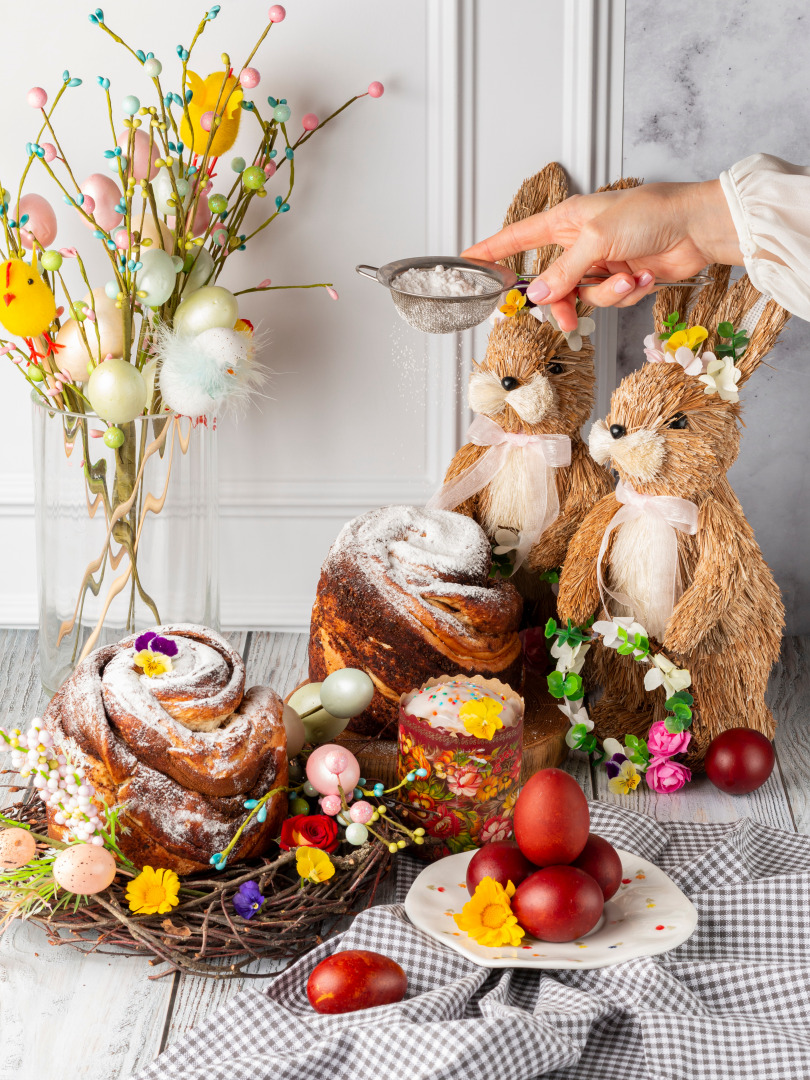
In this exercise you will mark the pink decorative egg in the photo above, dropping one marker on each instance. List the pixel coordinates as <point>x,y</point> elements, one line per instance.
<point>41,224</point>
<point>361,812</point>
<point>276,13</point>
<point>310,121</point>
<point>376,89</point>
<point>142,159</point>
<point>17,847</point>
<point>84,869</point>
<point>36,97</point>
<point>249,78</point>
<point>105,194</point>
<point>207,120</point>
<point>330,766</point>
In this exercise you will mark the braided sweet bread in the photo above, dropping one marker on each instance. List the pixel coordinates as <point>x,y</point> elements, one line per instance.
<point>180,751</point>
<point>405,594</point>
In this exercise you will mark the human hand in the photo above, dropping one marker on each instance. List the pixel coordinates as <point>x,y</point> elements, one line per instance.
<point>635,235</point>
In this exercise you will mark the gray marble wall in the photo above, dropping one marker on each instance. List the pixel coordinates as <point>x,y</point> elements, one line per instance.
<point>707,83</point>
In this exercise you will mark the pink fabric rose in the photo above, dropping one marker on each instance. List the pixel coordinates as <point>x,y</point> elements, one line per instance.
<point>663,743</point>
<point>665,776</point>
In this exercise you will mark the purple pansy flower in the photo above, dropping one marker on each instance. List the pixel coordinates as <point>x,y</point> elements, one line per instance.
<point>247,900</point>
<point>151,640</point>
<point>614,766</point>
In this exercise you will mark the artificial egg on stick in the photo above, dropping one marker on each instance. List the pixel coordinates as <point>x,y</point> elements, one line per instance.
<point>208,307</point>
<point>73,357</point>
<point>346,692</point>
<point>157,277</point>
<point>294,730</point>
<point>106,196</point>
<point>331,767</point>
<point>320,726</point>
<point>41,224</point>
<point>142,159</point>
<point>163,190</point>
<point>201,266</point>
<point>116,391</point>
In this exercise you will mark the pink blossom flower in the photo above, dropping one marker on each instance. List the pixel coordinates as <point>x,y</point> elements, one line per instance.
<point>652,350</point>
<point>665,776</point>
<point>463,780</point>
<point>497,828</point>
<point>663,743</point>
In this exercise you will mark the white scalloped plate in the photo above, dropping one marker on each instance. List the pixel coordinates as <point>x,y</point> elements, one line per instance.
<point>648,915</point>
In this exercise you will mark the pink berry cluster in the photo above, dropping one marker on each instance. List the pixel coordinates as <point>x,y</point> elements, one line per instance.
<point>62,786</point>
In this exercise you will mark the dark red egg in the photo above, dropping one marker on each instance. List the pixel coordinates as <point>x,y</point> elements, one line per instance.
<point>353,980</point>
<point>739,760</point>
<point>551,818</point>
<point>501,860</point>
<point>600,859</point>
<point>560,903</point>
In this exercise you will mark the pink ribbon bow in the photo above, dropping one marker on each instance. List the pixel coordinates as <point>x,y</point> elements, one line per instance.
<point>546,452</point>
<point>665,584</point>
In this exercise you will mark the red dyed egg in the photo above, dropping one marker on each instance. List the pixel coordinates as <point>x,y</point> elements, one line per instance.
<point>739,760</point>
<point>560,903</point>
<point>501,860</point>
<point>355,979</point>
<point>601,860</point>
<point>551,818</point>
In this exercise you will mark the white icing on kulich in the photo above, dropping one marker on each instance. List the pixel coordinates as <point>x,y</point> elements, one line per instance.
<point>439,705</point>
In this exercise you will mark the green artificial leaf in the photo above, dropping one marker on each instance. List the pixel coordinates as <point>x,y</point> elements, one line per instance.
<point>552,576</point>
<point>555,684</point>
<point>675,726</point>
<point>682,712</point>
<point>625,650</point>
<point>621,633</point>
<point>551,628</point>
<point>725,329</point>
<point>598,753</point>
<point>681,696</point>
<point>588,744</point>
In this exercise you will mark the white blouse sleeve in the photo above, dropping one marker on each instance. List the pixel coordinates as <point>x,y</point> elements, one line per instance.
<point>769,201</point>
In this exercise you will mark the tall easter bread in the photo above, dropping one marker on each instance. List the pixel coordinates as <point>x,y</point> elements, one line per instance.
<point>534,380</point>
<point>674,430</point>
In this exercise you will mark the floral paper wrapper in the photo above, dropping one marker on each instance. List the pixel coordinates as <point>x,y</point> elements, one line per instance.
<point>468,797</point>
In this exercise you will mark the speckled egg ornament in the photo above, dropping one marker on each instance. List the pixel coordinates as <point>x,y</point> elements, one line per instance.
<point>17,847</point>
<point>84,869</point>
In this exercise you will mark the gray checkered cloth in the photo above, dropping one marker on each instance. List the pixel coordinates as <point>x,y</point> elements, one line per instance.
<point>732,1001</point>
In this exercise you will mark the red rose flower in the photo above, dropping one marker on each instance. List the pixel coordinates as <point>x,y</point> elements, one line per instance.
<point>309,830</point>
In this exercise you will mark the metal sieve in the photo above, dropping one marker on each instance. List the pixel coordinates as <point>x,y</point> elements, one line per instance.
<point>444,314</point>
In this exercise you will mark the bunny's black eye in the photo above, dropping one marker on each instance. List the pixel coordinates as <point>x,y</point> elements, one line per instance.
<point>509,382</point>
<point>680,421</point>
<point>555,369</point>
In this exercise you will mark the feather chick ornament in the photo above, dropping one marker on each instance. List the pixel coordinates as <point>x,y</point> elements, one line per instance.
<point>208,374</point>
<point>28,307</point>
<point>215,95</point>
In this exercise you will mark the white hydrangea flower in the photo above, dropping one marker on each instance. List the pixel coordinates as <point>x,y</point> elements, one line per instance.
<point>570,658</point>
<point>506,540</point>
<point>610,630</point>
<point>721,377</point>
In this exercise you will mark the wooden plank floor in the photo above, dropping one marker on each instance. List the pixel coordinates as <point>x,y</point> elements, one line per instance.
<point>109,1019</point>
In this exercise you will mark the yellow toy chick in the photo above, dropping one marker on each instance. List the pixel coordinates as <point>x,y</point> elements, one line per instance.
<point>27,307</point>
<point>209,96</point>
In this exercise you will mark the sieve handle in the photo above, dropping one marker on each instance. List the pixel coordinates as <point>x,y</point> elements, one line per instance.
<point>362,271</point>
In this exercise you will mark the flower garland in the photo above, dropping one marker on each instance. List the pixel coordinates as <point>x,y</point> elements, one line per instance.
<point>625,764</point>
<point>682,345</point>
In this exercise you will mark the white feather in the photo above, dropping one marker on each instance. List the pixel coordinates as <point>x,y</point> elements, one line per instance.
<point>207,375</point>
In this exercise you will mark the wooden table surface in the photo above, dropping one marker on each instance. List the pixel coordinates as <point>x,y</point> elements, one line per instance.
<point>101,1018</point>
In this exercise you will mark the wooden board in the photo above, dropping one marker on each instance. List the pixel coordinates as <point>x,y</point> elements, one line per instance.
<point>544,729</point>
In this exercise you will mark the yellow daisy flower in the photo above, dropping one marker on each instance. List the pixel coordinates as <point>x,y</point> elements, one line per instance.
<point>481,718</point>
<point>514,301</point>
<point>153,892</point>
<point>152,663</point>
<point>691,338</point>
<point>313,865</point>
<point>487,917</point>
<point>628,779</point>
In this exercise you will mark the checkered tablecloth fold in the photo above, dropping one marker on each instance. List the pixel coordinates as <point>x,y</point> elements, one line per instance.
<point>731,1002</point>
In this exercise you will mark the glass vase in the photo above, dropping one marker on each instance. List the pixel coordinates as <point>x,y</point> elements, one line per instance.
<point>127,537</point>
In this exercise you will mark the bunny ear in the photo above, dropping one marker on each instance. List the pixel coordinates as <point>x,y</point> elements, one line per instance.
<point>540,192</point>
<point>746,308</point>
<point>706,304</point>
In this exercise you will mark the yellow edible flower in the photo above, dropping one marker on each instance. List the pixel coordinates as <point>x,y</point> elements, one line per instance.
<point>153,892</point>
<point>481,718</point>
<point>628,779</point>
<point>514,301</point>
<point>313,865</point>
<point>691,338</point>
<point>152,663</point>
<point>488,918</point>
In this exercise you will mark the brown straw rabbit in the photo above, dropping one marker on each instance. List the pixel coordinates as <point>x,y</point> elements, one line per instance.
<point>719,614</point>
<point>534,381</point>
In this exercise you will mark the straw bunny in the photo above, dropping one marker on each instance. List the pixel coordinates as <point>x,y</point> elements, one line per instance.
<point>534,381</point>
<point>687,567</point>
